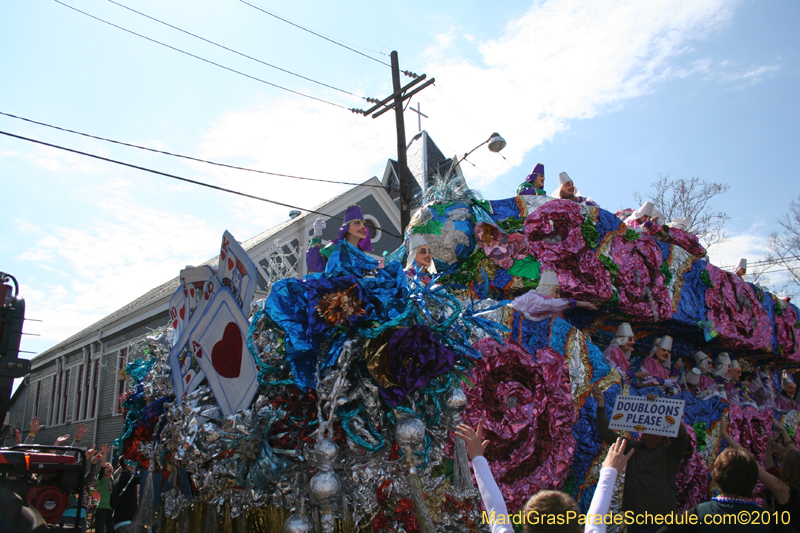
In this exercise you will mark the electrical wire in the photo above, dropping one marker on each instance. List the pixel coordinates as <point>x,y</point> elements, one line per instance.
<point>188,157</point>
<point>179,178</point>
<point>202,58</point>
<point>313,32</point>
<point>235,51</point>
<point>459,111</point>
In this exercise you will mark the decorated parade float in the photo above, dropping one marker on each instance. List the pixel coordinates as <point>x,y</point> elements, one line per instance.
<point>330,406</point>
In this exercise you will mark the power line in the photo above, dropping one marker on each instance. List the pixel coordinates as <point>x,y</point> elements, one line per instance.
<point>179,178</point>
<point>234,51</point>
<point>201,58</point>
<point>313,32</point>
<point>186,156</point>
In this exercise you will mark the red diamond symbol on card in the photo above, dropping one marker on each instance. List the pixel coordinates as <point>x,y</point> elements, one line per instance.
<point>226,356</point>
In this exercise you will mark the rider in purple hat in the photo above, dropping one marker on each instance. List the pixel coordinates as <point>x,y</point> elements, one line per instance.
<point>534,183</point>
<point>353,231</point>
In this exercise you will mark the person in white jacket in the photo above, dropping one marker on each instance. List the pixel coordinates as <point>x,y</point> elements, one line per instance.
<point>554,501</point>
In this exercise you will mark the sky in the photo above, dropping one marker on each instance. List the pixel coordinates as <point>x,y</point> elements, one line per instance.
<point>614,92</point>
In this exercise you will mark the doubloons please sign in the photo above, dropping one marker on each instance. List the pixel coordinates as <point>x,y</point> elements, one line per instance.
<point>661,416</point>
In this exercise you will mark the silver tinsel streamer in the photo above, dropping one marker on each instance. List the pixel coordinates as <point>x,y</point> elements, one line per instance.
<point>409,433</point>
<point>144,516</point>
<point>462,478</point>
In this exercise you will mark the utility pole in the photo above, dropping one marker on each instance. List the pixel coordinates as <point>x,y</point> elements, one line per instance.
<point>402,162</point>
<point>381,106</point>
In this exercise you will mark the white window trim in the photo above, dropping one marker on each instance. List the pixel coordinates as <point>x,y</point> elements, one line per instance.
<point>375,238</point>
<point>117,392</point>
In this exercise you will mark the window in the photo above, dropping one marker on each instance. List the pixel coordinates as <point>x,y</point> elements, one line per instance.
<point>374,228</point>
<point>79,391</point>
<point>95,384</point>
<point>122,379</point>
<point>37,398</point>
<point>86,381</point>
<point>53,400</point>
<point>62,419</point>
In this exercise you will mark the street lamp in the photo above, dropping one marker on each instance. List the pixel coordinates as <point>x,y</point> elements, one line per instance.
<point>495,142</point>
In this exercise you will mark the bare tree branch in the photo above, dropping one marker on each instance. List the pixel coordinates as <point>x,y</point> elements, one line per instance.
<point>679,198</point>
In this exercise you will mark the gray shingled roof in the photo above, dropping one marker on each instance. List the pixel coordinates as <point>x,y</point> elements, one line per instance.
<point>437,163</point>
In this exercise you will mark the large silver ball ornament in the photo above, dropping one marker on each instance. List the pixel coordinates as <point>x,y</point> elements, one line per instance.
<point>324,486</point>
<point>409,431</point>
<point>326,451</point>
<point>457,400</point>
<point>298,523</point>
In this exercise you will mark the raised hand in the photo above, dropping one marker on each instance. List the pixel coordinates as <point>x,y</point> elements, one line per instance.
<point>62,439</point>
<point>35,425</point>
<point>617,458</point>
<point>17,437</point>
<point>474,439</point>
<point>598,395</point>
<point>319,225</point>
<point>105,449</point>
<point>80,432</point>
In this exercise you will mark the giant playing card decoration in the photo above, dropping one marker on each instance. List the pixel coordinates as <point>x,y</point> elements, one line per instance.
<point>199,284</point>
<point>186,371</point>
<point>218,343</point>
<point>177,315</point>
<point>237,271</point>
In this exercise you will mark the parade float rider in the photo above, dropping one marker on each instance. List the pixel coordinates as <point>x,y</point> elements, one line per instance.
<point>534,183</point>
<point>618,353</point>
<point>566,191</point>
<point>353,233</point>
<point>546,302</point>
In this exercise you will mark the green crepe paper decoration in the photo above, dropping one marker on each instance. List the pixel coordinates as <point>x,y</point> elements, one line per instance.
<point>468,269</point>
<point>569,484</point>
<point>526,268</point>
<point>432,227</point>
<point>445,468</point>
<point>631,235</point>
<point>614,299</point>
<point>700,433</point>
<point>778,307</point>
<point>590,233</point>
<point>706,278</point>
<point>483,204</point>
<point>666,273</point>
<point>511,224</point>
<point>440,209</point>
<point>530,284</point>
<point>610,265</point>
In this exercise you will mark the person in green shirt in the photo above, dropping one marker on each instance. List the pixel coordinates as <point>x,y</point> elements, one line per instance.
<point>104,514</point>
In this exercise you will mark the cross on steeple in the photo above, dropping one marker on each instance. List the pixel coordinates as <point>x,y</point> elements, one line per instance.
<point>420,114</point>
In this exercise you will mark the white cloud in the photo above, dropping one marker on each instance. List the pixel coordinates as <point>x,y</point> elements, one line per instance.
<point>122,254</point>
<point>752,76</point>
<point>563,60</point>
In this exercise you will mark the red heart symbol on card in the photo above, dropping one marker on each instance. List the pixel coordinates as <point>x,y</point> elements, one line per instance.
<point>222,252</point>
<point>226,356</point>
<point>174,324</point>
<point>230,264</point>
<point>183,312</point>
<point>191,291</point>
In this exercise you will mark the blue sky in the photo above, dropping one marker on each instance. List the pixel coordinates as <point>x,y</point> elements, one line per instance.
<point>612,92</point>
